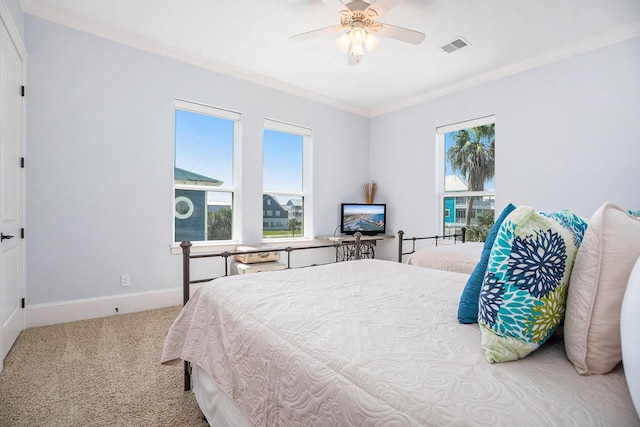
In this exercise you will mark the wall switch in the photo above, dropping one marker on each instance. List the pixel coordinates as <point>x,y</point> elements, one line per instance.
<point>125,280</point>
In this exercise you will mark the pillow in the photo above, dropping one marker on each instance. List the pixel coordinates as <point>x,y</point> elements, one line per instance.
<point>468,307</point>
<point>629,320</point>
<point>523,294</point>
<point>609,249</point>
<point>572,222</point>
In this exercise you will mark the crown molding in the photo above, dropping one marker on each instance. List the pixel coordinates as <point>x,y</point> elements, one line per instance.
<point>55,15</point>
<point>52,14</point>
<point>601,40</point>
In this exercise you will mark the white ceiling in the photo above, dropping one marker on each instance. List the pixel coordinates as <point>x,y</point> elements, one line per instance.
<point>249,39</point>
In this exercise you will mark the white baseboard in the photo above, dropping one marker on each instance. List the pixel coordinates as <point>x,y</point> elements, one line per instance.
<point>69,311</point>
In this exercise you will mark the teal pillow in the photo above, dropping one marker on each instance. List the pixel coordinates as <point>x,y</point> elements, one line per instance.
<point>524,292</point>
<point>634,213</point>
<point>468,306</point>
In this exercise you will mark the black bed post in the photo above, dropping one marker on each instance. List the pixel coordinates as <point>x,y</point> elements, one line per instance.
<point>400,237</point>
<point>186,281</point>
<point>464,234</point>
<point>186,252</point>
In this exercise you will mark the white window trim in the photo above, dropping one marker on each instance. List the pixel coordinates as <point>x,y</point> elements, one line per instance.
<point>440,165</point>
<point>307,174</point>
<point>236,117</point>
<point>481,121</point>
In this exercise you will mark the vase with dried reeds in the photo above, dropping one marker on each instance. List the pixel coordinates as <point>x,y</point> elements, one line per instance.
<point>369,190</point>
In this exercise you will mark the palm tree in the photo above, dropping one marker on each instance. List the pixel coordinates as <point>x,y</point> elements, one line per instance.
<point>292,224</point>
<point>473,156</point>
<point>219,224</point>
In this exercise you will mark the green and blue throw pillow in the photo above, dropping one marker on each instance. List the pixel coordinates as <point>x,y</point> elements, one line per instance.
<point>524,291</point>
<point>468,306</point>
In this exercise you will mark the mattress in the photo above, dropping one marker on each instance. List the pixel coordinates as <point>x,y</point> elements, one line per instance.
<point>460,257</point>
<point>375,342</point>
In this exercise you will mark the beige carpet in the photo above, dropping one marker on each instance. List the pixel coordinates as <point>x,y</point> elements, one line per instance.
<point>99,372</point>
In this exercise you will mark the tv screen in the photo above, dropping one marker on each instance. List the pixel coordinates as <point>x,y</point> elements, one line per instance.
<point>368,219</point>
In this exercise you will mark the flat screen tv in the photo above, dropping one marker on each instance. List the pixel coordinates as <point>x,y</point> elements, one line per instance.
<point>368,219</point>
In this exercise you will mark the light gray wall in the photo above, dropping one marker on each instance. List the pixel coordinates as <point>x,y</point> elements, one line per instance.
<point>566,137</point>
<point>100,152</point>
<point>100,160</point>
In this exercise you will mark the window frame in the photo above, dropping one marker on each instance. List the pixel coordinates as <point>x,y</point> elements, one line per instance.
<point>305,194</point>
<point>441,131</point>
<point>233,189</point>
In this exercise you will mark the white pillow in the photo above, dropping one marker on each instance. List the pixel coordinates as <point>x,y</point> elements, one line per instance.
<point>629,321</point>
<point>603,264</point>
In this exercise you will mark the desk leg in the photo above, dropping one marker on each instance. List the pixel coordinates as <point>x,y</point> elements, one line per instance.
<point>348,252</point>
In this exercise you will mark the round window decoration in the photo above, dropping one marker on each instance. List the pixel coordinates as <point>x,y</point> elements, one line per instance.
<point>183,207</point>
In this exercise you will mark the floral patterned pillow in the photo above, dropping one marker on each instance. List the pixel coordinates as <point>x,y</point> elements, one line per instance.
<point>523,295</point>
<point>572,222</point>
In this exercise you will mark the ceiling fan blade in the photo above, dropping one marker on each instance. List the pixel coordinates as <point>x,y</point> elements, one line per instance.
<point>315,33</point>
<point>398,33</point>
<point>336,5</point>
<point>383,6</point>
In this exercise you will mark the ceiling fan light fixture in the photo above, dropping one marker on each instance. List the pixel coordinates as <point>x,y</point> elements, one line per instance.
<point>356,50</point>
<point>371,42</point>
<point>357,35</point>
<point>343,42</point>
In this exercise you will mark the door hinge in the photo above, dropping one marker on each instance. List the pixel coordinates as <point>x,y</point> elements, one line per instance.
<point>22,233</point>
<point>24,303</point>
<point>22,90</point>
<point>22,162</point>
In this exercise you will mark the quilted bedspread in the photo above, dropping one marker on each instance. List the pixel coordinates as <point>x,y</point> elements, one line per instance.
<point>376,343</point>
<point>461,257</point>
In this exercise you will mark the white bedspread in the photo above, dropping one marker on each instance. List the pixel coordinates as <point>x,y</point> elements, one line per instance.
<point>376,343</point>
<point>460,257</point>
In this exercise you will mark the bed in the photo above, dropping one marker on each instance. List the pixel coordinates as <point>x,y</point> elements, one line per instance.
<point>303,347</point>
<point>449,253</point>
<point>460,257</point>
<point>373,342</point>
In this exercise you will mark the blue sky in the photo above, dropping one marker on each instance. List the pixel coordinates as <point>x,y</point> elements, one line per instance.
<point>282,161</point>
<point>204,144</point>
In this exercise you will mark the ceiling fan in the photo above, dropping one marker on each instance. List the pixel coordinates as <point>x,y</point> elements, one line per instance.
<point>358,26</point>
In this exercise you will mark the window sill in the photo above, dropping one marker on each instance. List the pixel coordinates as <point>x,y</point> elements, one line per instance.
<point>208,247</point>
<point>205,247</point>
<point>284,242</point>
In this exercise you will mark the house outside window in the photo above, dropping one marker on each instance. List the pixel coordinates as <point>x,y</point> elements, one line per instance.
<point>286,176</point>
<point>467,177</point>
<point>206,140</point>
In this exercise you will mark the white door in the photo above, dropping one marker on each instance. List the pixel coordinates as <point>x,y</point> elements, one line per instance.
<point>11,191</point>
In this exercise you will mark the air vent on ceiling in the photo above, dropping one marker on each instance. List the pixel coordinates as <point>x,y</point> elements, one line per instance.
<point>457,44</point>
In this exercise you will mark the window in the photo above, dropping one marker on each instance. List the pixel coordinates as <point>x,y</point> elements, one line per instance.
<point>467,165</point>
<point>204,173</point>
<point>285,179</point>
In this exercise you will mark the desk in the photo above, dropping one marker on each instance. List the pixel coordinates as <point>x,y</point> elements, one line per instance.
<point>347,249</point>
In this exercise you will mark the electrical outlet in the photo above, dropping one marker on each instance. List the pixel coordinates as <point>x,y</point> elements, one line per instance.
<point>125,280</point>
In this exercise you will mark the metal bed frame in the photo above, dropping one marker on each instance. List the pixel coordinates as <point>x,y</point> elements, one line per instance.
<point>401,239</point>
